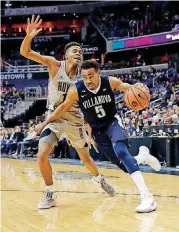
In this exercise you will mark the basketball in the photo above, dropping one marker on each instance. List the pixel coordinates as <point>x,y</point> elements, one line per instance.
<point>137,97</point>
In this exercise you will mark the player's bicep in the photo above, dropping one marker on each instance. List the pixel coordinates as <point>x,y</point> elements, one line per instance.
<point>115,83</point>
<point>37,57</point>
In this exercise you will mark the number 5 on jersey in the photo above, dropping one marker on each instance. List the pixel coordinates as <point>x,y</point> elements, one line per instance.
<point>100,111</point>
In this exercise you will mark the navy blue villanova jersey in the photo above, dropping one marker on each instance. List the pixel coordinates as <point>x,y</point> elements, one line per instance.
<point>98,109</point>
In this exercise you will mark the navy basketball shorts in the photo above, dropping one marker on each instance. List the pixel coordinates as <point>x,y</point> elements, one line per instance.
<point>106,138</point>
<point>113,133</point>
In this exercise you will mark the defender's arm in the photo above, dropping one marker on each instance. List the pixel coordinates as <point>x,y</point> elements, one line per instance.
<point>71,98</point>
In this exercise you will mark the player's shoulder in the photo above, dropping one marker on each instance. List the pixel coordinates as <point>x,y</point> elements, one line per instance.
<point>79,84</point>
<point>112,78</point>
<point>105,79</point>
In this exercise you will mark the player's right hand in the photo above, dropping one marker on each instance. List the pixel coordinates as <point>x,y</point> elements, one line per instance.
<point>33,25</point>
<point>39,127</point>
<point>90,142</point>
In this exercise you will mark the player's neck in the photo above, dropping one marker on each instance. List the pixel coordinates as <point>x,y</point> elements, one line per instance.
<point>71,69</point>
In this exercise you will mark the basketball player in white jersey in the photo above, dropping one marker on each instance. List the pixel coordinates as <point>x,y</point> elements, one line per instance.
<point>62,75</point>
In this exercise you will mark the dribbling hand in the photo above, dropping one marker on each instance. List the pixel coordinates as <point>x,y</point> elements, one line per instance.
<point>33,25</point>
<point>138,84</point>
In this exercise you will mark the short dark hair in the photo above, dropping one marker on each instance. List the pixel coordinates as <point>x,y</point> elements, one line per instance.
<point>87,64</point>
<point>70,45</point>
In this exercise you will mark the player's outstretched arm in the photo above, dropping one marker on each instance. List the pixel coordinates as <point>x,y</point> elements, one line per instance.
<point>117,84</point>
<point>71,98</point>
<point>25,50</point>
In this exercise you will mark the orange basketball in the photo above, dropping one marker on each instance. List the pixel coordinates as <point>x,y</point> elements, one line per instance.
<point>137,97</point>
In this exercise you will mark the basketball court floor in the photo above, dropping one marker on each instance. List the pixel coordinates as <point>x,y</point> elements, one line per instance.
<point>81,205</point>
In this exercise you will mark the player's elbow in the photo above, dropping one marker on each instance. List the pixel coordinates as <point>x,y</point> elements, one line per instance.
<point>21,52</point>
<point>24,52</point>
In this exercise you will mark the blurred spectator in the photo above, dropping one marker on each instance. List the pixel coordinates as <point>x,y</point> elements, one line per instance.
<point>16,137</point>
<point>175,119</point>
<point>27,141</point>
<point>176,100</point>
<point>60,151</point>
<point>168,87</point>
<point>146,124</point>
<point>4,140</point>
<point>155,121</point>
<point>168,120</point>
<point>164,103</point>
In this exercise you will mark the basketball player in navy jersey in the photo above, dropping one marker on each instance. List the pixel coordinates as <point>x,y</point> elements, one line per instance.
<point>95,95</point>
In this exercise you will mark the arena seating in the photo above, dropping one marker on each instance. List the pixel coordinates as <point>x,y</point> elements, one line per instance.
<point>134,19</point>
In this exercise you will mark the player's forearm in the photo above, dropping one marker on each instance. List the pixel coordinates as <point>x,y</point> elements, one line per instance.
<point>25,48</point>
<point>60,110</point>
<point>56,115</point>
<point>124,87</point>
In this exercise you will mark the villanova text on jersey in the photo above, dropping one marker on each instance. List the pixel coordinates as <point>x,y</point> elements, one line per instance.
<point>98,108</point>
<point>98,100</point>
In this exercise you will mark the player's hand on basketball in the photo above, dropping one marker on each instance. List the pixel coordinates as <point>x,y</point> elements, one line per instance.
<point>138,84</point>
<point>90,142</point>
<point>33,25</point>
<point>141,85</point>
<point>39,127</point>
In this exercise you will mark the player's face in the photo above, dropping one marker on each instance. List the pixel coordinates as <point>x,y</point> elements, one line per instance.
<point>91,78</point>
<point>75,55</point>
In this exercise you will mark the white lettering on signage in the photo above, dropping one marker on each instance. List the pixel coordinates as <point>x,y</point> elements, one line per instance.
<point>90,50</point>
<point>172,37</point>
<point>13,76</point>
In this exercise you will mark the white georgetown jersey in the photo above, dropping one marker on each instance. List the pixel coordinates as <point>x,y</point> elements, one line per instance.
<point>57,91</point>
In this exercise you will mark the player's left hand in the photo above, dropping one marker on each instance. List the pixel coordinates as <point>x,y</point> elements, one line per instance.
<point>90,142</point>
<point>139,84</point>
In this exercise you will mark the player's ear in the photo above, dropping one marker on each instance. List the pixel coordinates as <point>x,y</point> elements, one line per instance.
<point>99,71</point>
<point>66,55</point>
